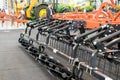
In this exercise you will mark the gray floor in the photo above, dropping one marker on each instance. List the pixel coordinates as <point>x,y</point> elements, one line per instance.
<point>15,64</point>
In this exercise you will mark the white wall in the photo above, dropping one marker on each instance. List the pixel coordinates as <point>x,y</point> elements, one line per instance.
<point>1,3</point>
<point>106,0</point>
<point>99,3</point>
<point>64,1</point>
<point>4,4</point>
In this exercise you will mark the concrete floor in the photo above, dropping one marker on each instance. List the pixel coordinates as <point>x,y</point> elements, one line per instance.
<point>15,64</point>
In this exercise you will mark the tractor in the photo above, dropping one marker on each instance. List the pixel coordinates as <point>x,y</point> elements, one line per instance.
<point>18,5</point>
<point>37,8</point>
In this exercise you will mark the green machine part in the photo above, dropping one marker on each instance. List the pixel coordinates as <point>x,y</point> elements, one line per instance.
<point>83,4</point>
<point>39,10</point>
<point>64,8</point>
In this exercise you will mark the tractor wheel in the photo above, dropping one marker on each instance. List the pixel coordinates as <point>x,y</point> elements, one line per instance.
<point>41,11</point>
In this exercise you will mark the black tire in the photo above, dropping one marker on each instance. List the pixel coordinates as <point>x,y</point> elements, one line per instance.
<point>80,73</point>
<point>38,8</point>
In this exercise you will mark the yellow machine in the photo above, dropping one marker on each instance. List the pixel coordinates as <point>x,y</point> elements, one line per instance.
<point>29,9</point>
<point>19,5</point>
<point>37,8</point>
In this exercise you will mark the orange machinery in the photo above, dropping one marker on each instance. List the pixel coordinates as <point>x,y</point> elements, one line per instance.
<point>96,18</point>
<point>8,17</point>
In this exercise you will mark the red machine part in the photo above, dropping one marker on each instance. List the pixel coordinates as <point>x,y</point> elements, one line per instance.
<point>7,17</point>
<point>94,19</point>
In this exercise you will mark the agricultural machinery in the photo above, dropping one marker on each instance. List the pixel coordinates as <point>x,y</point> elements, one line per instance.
<point>75,45</point>
<point>37,8</point>
<point>70,55</point>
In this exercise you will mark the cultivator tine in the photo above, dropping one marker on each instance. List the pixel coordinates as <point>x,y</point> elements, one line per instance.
<point>67,49</point>
<point>55,43</point>
<point>109,37</point>
<point>50,43</point>
<point>118,72</point>
<point>58,44</point>
<point>49,23</point>
<point>34,24</point>
<point>37,36</point>
<point>101,47</point>
<point>61,46</point>
<point>89,32</point>
<point>99,42</point>
<point>70,50</point>
<point>74,54</point>
<point>62,24</point>
<point>94,37</point>
<point>30,32</point>
<point>64,47</point>
<point>112,42</point>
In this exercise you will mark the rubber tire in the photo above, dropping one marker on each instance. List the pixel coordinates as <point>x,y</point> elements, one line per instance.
<point>38,10</point>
